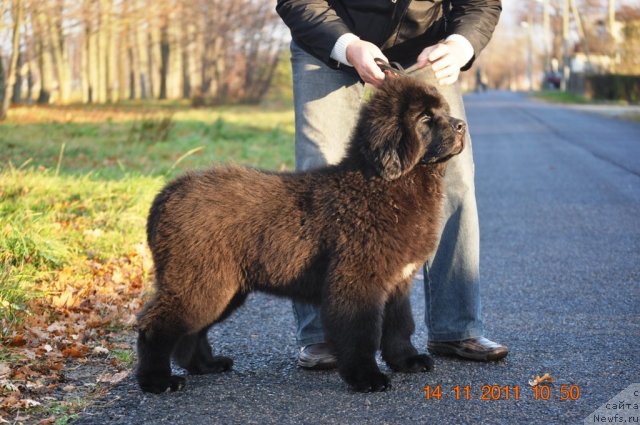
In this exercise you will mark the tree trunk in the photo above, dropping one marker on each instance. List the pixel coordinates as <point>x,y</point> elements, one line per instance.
<point>175,60</point>
<point>101,52</point>
<point>29,85</point>
<point>186,74</point>
<point>92,55</point>
<point>3,81</point>
<point>45,63</point>
<point>154,54</point>
<point>16,96</point>
<point>124,64</point>
<point>16,11</point>
<point>59,55</point>
<point>142,49</point>
<point>87,64</point>
<point>110,53</point>
<point>164,61</point>
<point>188,35</point>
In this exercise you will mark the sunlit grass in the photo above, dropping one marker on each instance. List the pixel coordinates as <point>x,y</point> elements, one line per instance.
<point>52,223</point>
<point>559,96</point>
<point>76,184</point>
<point>112,143</point>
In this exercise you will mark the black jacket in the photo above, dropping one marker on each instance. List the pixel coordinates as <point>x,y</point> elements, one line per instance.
<point>401,28</point>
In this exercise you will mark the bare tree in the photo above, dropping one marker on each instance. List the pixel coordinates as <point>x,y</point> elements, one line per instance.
<point>53,22</point>
<point>16,11</point>
<point>43,52</point>
<point>105,50</point>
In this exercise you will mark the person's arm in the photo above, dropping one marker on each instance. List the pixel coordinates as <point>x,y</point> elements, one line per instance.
<point>475,20</point>
<point>470,27</point>
<point>316,24</point>
<point>313,22</point>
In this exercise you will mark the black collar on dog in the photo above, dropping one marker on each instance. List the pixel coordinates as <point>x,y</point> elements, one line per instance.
<point>393,67</point>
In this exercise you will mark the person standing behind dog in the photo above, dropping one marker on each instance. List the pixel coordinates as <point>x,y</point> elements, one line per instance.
<point>333,51</point>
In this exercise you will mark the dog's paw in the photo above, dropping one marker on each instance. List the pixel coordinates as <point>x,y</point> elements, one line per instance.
<point>372,382</point>
<point>215,364</point>
<point>158,384</point>
<point>176,383</point>
<point>417,363</point>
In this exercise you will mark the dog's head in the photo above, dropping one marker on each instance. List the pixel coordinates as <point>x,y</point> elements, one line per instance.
<point>407,122</point>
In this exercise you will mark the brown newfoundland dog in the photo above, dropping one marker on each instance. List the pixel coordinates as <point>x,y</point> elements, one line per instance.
<point>348,237</point>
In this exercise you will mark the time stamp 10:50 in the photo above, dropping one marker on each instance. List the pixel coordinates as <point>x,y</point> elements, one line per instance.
<point>563,392</point>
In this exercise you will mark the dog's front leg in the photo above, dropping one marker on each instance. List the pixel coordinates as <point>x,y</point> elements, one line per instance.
<point>398,326</point>
<point>353,326</point>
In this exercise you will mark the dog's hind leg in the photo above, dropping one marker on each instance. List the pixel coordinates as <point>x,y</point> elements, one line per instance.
<point>397,327</point>
<point>193,352</point>
<point>158,333</point>
<point>355,335</point>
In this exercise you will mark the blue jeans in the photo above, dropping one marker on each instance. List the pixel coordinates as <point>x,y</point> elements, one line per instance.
<point>326,104</point>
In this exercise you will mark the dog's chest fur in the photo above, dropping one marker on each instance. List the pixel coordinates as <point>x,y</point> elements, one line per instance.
<point>383,231</point>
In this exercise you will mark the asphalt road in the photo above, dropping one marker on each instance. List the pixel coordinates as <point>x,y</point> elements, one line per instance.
<point>559,201</point>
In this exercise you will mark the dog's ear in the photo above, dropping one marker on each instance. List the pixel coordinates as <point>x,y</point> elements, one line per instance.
<point>387,162</point>
<point>380,137</point>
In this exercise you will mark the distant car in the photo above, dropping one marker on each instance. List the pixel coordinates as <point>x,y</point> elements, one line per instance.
<point>552,80</point>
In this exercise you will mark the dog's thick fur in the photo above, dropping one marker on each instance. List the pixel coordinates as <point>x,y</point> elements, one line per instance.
<point>347,237</point>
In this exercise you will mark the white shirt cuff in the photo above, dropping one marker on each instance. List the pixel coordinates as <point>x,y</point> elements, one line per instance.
<point>467,48</point>
<point>339,51</point>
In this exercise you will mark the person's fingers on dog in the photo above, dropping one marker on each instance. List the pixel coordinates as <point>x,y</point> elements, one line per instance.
<point>374,76</point>
<point>448,76</point>
<point>441,50</point>
<point>447,81</point>
<point>362,54</point>
<point>441,64</point>
<point>423,57</point>
<point>444,60</point>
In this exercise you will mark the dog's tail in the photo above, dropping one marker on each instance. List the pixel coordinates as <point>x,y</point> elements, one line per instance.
<point>157,208</point>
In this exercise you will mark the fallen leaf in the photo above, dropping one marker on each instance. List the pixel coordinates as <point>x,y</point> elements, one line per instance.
<point>57,327</point>
<point>39,333</point>
<point>100,350</point>
<point>9,386</point>
<point>17,341</point>
<point>76,351</point>
<point>5,370</point>
<point>112,378</point>
<point>11,401</point>
<point>27,402</point>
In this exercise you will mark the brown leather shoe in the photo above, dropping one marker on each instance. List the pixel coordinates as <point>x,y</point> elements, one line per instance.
<point>317,357</point>
<point>481,349</point>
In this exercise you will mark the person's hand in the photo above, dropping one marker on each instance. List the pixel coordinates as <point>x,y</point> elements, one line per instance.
<point>361,54</point>
<point>446,59</point>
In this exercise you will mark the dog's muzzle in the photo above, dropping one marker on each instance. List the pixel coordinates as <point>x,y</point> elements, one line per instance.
<point>459,128</point>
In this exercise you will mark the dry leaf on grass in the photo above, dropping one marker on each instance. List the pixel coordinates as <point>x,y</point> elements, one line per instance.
<point>76,351</point>
<point>17,341</point>
<point>87,308</point>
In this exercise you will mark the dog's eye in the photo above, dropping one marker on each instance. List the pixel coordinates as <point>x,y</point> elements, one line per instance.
<point>425,118</point>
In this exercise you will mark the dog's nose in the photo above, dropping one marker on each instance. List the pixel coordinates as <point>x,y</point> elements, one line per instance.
<point>459,126</point>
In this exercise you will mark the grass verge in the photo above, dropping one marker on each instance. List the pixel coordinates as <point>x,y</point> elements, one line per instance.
<point>75,187</point>
<point>558,96</point>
